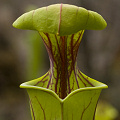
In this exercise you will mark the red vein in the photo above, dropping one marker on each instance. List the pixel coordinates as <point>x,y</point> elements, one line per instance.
<point>32,108</point>
<point>49,81</point>
<point>82,81</point>
<point>69,85</point>
<point>95,110</point>
<point>58,47</point>
<point>32,17</point>
<point>85,109</point>
<point>41,108</point>
<point>87,19</point>
<point>78,39</point>
<point>63,82</point>
<point>42,79</point>
<point>60,18</point>
<point>73,61</point>
<point>85,79</point>
<point>77,11</point>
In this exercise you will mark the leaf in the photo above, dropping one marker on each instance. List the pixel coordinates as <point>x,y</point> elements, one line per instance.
<point>64,92</point>
<point>61,19</point>
<point>81,105</point>
<point>78,105</point>
<point>44,104</point>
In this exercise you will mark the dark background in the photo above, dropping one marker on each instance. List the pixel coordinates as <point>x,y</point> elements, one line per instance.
<point>99,54</point>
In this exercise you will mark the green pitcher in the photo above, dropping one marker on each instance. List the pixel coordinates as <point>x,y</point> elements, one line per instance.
<point>64,92</point>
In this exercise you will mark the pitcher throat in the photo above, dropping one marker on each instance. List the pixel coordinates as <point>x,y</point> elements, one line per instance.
<point>63,76</point>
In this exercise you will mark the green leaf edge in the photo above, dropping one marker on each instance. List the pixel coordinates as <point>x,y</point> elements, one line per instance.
<point>100,86</point>
<point>56,21</point>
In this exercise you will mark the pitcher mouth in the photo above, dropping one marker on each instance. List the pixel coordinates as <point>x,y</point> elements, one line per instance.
<point>97,86</point>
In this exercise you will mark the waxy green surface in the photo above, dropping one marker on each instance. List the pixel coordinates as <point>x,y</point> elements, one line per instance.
<point>78,105</point>
<point>61,19</point>
<point>64,92</point>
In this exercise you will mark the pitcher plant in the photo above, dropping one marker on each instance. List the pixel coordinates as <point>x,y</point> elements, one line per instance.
<point>64,92</point>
